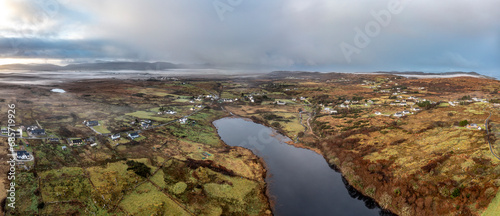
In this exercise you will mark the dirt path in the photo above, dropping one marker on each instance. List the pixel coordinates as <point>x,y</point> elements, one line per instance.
<point>310,128</point>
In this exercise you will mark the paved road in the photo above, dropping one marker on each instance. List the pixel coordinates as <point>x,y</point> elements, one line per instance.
<point>488,132</point>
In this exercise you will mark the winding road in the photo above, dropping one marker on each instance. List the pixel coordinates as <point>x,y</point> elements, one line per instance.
<point>487,133</point>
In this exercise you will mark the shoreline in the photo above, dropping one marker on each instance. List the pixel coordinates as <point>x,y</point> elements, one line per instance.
<point>357,194</point>
<point>269,200</point>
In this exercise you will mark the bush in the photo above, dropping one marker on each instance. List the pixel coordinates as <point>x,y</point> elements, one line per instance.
<point>467,97</point>
<point>276,125</point>
<point>424,104</point>
<point>463,123</point>
<point>455,193</point>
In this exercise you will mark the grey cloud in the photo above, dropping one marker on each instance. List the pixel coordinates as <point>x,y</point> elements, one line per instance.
<point>281,33</point>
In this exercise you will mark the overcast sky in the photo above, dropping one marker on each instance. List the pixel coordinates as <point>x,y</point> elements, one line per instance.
<point>325,35</point>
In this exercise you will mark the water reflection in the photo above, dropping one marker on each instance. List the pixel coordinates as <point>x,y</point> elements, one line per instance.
<point>301,181</point>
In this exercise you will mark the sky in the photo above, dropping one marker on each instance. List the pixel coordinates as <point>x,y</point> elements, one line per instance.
<point>317,35</point>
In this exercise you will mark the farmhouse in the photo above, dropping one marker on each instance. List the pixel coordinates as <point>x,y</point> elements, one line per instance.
<point>115,136</point>
<point>23,155</point>
<point>281,103</point>
<point>170,112</point>
<point>145,125</point>
<point>30,128</point>
<point>378,113</point>
<point>398,114</point>
<point>183,120</point>
<point>473,126</point>
<point>5,130</point>
<point>76,142</point>
<point>134,135</point>
<point>92,123</point>
<point>37,132</point>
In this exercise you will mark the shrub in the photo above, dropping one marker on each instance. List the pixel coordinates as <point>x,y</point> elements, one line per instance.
<point>455,193</point>
<point>424,104</point>
<point>463,123</point>
<point>397,191</point>
<point>370,191</point>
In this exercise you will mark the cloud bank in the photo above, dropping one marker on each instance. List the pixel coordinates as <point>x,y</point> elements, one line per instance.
<point>425,35</point>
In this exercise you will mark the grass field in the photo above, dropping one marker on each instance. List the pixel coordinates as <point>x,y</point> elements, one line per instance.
<point>494,207</point>
<point>149,115</point>
<point>147,200</point>
<point>68,183</point>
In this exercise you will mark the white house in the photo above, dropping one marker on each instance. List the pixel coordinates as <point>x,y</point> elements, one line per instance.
<point>378,113</point>
<point>23,155</point>
<point>183,120</point>
<point>115,136</point>
<point>133,135</point>
<point>170,112</point>
<point>398,114</point>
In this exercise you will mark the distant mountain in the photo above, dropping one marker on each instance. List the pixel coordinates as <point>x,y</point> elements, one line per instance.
<point>139,66</point>
<point>424,73</point>
<point>304,74</point>
<point>417,73</point>
<point>41,67</point>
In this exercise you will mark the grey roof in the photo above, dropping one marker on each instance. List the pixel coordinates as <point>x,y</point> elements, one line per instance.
<point>21,153</point>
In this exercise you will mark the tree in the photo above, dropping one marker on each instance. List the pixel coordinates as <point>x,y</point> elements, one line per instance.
<point>139,168</point>
<point>463,123</point>
<point>424,104</point>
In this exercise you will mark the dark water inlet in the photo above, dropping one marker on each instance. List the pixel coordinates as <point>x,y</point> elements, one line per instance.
<point>300,181</point>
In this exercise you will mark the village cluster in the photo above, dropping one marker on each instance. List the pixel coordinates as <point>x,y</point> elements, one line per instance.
<point>25,133</point>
